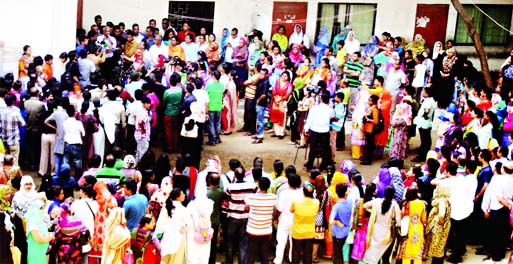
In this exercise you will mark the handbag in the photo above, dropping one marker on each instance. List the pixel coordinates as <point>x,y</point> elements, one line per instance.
<point>15,253</point>
<point>508,73</point>
<point>129,257</point>
<point>405,225</point>
<point>395,230</point>
<point>189,128</point>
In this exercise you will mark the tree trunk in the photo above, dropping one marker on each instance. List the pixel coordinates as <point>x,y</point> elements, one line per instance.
<point>469,22</point>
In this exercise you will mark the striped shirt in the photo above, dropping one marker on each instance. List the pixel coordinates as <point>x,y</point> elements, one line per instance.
<point>354,81</point>
<point>237,192</point>
<point>261,208</point>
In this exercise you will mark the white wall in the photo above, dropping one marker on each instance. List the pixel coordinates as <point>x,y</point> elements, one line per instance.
<point>127,11</point>
<point>47,26</point>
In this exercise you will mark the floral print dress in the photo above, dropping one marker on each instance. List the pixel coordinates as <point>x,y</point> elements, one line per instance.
<point>413,246</point>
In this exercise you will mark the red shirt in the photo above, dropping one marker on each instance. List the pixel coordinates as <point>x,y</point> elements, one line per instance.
<point>181,35</point>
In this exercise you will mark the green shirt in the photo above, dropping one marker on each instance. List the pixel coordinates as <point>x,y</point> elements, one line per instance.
<point>354,81</point>
<point>347,96</point>
<point>172,100</point>
<point>109,175</point>
<point>215,92</point>
<point>282,40</point>
<point>217,196</point>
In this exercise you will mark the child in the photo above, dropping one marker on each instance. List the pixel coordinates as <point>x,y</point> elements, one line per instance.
<point>338,124</point>
<point>47,67</point>
<point>340,219</point>
<point>145,246</point>
<point>419,74</point>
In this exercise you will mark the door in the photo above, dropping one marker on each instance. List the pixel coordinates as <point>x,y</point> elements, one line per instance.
<point>289,14</point>
<point>431,23</point>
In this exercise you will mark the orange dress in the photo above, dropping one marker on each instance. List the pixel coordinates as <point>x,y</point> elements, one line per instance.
<point>385,103</point>
<point>177,51</point>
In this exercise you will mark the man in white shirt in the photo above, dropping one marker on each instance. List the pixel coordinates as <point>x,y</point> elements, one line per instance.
<point>420,73</point>
<point>158,49</point>
<point>73,133</point>
<point>462,189</point>
<point>394,79</point>
<point>202,101</point>
<point>131,110</point>
<point>317,127</point>
<point>285,217</point>
<point>138,36</point>
<point>135,84</point>
<point>107,41</point>
<point>112,116</point>
<point>496,214</point>
<point>234,38</point>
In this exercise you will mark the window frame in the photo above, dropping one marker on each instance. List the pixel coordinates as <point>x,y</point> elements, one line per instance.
<point>337,24</point>
<point>481,28</point>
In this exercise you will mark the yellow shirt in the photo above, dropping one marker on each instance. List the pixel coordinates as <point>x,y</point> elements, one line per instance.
<point>304,211</point>
<point>130,48</point>
<point>341,57</point>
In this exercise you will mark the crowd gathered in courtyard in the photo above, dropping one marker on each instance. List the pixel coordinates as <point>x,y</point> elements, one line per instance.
<point>90,125</point>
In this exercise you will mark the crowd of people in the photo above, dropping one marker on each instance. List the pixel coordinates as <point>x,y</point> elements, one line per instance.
<point>92,122</point>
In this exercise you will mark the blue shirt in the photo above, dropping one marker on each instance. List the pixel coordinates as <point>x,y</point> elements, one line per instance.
<point>135,208</point>
<point>342,211</point>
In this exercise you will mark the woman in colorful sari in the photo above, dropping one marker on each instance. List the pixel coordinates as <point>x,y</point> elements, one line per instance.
<point>323,42</point>
<point>38,237</point>
<point>416,46</point>
<point>438,224</point>
<point>379,239</point>
<point>295,55</point>
<point>369,51</point>
<point>175,50</point>
<point>329,200</point>
<point>106,202</point>
<point>277,114</point>
<point>324,73</point>
<point>412,248</point>
<point>357,134</point>
<point>212,50</point>
<point>385,103</point>
<point>340,36</point>
<point>400,122</point>
<point>361,222</point>
<point>67,244</point>
<point>24,61</point>
<point>240,59</point>
<point>305,70</point>
<point>117,237</point>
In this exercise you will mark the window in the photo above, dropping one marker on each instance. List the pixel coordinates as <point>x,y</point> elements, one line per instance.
<point>197,14</point>
<point>490,33</point>
<point>360,16</point>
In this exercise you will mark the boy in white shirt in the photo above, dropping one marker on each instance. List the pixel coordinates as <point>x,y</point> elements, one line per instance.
<point>419,79</point>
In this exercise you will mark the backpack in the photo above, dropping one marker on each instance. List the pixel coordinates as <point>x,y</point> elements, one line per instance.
<point>203,231</point>
<point>378,128</point>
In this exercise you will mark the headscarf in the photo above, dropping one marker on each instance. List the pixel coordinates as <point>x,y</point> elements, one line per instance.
<point>166,186</point>
<point>295,57</point>
<point>241,52</point>
<point>403,111</point>
<point>437,51</point>
<point>346,166</point>
<point>5,205</point>
<point>352,46</point>
<point>416,47</point>
<point>371,49</point>
<point>296,38</point>
<point>129,162</point>
<point>338,177</point>
<point>35,217</point>
<point>22,199</point>
<point>323,40</point>
<point>338,38</point>
<point>224,39</point>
